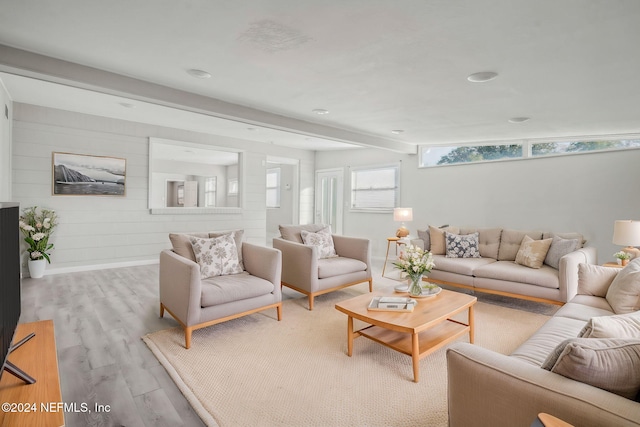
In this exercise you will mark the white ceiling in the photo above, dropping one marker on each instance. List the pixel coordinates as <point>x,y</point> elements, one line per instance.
<point>571,66</point>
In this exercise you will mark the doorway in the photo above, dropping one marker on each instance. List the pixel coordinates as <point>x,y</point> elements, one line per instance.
<point>282,194</point>
<point>329,198</point>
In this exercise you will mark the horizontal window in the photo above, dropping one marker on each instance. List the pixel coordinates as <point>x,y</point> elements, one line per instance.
<point>573,147</point>
<point>456,154</point>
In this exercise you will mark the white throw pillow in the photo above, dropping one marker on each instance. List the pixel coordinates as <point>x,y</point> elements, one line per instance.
<point>322,240</point>
<point>618,326</point>
<point>217,256</point>
<point>624,293</point>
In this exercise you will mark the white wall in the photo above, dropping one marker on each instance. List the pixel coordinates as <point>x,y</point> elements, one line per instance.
<point>97,230</point>
<point>584,193</point>
<point>5,144</point>
<point>284,213</point>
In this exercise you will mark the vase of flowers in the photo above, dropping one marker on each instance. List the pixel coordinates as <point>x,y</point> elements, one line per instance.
<point>623,257</point>
<point>415,262</point>
<point>36,227</point>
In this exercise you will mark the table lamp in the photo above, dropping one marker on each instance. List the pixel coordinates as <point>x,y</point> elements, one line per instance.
<point>627,233</point>
<point>402,215</point>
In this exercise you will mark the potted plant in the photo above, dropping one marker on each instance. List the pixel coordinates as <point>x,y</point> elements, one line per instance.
<point>36,227</point>
<point>415,261</point>
<point>623,257</point>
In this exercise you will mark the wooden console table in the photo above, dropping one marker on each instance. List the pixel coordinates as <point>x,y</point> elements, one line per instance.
<point>38,358</point>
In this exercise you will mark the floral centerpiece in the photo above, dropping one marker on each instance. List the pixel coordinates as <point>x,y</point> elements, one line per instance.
<point>415,261</point>
<point>37,228</point>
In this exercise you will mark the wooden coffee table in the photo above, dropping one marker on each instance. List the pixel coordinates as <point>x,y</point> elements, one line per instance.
<point>427,328</point>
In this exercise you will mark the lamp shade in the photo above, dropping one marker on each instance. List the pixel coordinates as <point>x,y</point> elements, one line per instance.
<point>402,214</point>
<point>626,233</point>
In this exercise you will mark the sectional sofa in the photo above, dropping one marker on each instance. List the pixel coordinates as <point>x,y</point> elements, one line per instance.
<point>495,266</point>
<point>587,381</point>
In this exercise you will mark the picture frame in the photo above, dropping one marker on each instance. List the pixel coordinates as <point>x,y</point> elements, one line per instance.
<point>87,175</point>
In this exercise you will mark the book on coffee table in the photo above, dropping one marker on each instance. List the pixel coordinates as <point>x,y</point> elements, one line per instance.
<point>397,304</point>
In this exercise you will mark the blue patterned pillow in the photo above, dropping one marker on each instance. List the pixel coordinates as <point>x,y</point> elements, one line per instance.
<point>462,246</point>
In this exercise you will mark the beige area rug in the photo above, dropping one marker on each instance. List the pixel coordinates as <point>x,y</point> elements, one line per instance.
<point>256,371</point>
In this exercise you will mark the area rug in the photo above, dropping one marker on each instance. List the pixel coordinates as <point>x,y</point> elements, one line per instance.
<point>256,371</point>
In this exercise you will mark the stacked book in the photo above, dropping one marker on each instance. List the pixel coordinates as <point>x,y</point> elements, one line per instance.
<point>399,304</point>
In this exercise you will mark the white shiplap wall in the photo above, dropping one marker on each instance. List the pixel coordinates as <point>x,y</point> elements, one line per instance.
<point>99,231</point>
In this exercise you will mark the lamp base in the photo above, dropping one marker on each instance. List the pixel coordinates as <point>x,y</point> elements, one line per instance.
<point>402,232</point>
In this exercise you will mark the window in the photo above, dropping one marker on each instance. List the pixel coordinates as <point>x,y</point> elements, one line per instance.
<point>573,147</point>
<point>375,188</point>
<point>233,187</point>
<point>273,188</point>
<point>456,154</point>
<point>210,190</point>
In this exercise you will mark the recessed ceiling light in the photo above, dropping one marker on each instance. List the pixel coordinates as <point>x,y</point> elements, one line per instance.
<point>321,111</point>
<point>200,74</point>
<point>483,76</point>
<point>397,131</point>
<point>251,129</point>
<point>519,119</point>
<point>127,105</point>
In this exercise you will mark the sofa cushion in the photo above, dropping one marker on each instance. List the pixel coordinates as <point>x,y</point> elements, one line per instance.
<point>559,248</point>
<point>426,238</point>
<point>462,246</point>
<point>292,232</point>
<point>624,292</point>
<point>182,245</point>
<point>510,241</point>
<point>537,348</point>
<point>337,266</point>
<point>488,238</point>
<point>618,326</point>
<point>322,240</point>
<point>570,236</point>
<point>438,244</point>
<point>611,364</point>
<point>222,289</point>
<point>584,307</point>
<point>595,279</point>
<point>512,272</point>
<point>464,266</point>
<point>532,252</point>
<point>217,256</point>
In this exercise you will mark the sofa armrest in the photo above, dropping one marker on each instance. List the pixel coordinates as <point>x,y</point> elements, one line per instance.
<point>299,263</point>
<point>180,287</point>
<point>568,271</point>
<point>263,262</point>
<point>486,388</point>
<point>354,248</point>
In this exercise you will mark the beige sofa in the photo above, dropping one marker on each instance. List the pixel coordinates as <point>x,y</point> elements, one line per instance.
<point>490,389</point>
<point>197,302</point>
<point>496,272</point>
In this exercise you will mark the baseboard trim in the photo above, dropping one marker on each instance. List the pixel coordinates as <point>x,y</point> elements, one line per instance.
<point>92,267</point>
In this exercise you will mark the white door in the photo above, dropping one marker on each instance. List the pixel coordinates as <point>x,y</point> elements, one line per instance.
<point>329,201</point>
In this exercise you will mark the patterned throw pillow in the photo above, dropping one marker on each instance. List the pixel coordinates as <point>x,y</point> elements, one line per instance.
<point>532,252</point>
<point>462,246</point>
<point>323,240</point>
<point>217,256</point>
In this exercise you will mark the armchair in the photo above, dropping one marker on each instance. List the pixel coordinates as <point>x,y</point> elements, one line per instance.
<point>303,271</point>
<point>197,303</point>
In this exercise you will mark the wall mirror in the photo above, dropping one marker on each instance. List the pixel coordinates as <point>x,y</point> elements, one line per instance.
<point>187,177</point>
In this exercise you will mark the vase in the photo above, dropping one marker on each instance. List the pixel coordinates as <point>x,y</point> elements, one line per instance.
<point>624,262</point>
<point>36,268</point>
<point>415,286</point>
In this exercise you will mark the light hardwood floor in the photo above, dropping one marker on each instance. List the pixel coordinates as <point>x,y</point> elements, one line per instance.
<point>99,318</point>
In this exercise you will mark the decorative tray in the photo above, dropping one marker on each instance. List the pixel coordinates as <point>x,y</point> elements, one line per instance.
<point>396,304</point>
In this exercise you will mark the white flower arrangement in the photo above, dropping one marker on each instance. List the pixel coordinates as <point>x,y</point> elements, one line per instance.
<point>415,261</point>
<point>37,228</point>
<point>622,255</point>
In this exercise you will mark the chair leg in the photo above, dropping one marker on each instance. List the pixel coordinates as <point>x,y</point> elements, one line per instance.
<point>370,285</point>
<point>279,309</point>
<point>187,337</point>
<point>161,310</point>
<point>310,302</point>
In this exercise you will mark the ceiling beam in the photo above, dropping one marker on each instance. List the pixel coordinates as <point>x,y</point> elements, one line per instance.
<point>28,64</point>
